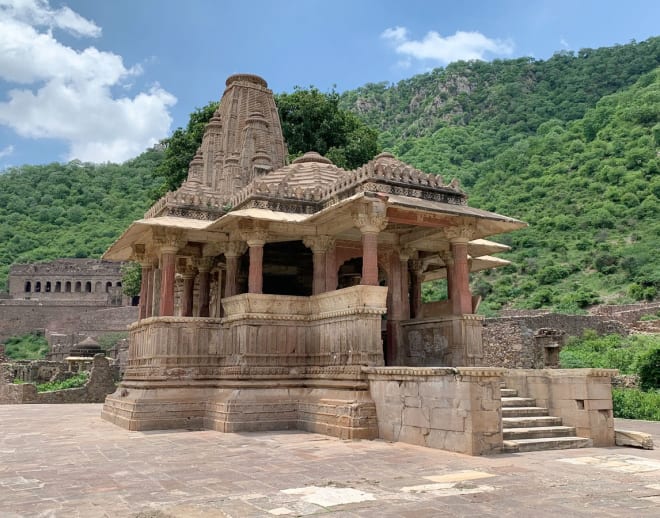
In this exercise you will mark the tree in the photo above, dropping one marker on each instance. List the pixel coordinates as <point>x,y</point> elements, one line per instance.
<point>181,147</point>
<point>311,121</point>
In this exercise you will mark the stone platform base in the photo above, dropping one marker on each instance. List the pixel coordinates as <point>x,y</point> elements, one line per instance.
<point>346,413</point>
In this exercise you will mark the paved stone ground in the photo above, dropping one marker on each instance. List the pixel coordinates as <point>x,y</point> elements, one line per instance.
<point>63,460</point>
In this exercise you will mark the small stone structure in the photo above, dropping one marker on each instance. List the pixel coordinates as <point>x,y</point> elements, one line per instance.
<point>101,383</point>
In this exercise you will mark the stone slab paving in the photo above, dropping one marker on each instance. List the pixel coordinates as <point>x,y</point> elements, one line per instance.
<point>63,460</point>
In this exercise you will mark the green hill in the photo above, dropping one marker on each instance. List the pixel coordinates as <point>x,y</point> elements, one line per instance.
<point>569,144</point>
<point>70,210</point>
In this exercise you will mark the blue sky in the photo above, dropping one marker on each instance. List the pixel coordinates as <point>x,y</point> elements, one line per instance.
<point>102,80</point>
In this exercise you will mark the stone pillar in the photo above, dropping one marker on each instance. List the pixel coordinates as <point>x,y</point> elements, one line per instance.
<point>416,269</point>
<point>168,270</point>
<point>371,219</point>
<point>404,256</point>
<point>154,300</point>
<point>168,243</point>
<point>204,265</point>
<point>146,290</point>
<point>460,280</point>
<point>188,286</point>
<point>331,273</point>
<point>256,240</point>
<point>319,246</point>
<point>448,258</point>
<point>233,252</point>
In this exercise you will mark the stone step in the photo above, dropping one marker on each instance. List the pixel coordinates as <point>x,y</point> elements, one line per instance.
<point>518,401</point>
<point>554,443</point>
<point>538,432</point>
<point>506,392</point>
<point>530,421</point>
<point>524,411</point>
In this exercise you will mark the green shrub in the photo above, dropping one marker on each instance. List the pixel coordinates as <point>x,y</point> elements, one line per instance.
<point>635,404</point>
<point>74,382</point>
<point>649,370</point>
<point>607,352</point>
<point>32,346</point>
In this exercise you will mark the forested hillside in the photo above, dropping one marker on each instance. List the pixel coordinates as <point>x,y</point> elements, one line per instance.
<point>70,210</point>
<point>569,144</point>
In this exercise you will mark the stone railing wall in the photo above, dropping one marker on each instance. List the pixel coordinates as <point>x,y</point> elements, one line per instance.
<point>452,340</point>
<point>455,409</point>
<point>339,328</point>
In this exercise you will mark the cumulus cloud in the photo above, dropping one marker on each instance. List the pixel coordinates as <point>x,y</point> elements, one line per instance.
<point>6,151</point>
<point>66,93</point>
<point>434,47</point>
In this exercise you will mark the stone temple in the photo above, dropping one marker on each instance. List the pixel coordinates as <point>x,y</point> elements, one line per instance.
<point>288,296</point>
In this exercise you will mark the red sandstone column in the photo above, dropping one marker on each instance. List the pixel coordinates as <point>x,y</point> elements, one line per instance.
<point>233,252</point>
<point>370,258</point>
<point>319,246</point>
<point>331,273</point>
<point>154,290</point>
<point>255,274</point>
<point>204,268</point>
<point>460,283</point>
<point>144,290</point>
<point>187,299</point>
<point>404,256</point>
<point>168,270</point>
<point>370,219</point>
<point>416,295</point>
<point>448,259</point>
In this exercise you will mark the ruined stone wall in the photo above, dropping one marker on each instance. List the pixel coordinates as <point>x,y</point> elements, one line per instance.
<point>67,279</point>
<point>24,316</point>
<point>101,383</point>
<point>510,341</point>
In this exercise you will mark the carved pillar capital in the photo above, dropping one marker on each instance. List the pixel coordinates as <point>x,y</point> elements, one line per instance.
<point>459,233</point>
<point>417,266</point>
<point>235,248</point>
<point>446,257</point>
<point>406,253</point>
<point>370,218</point>
<point>319,244</point>
<point>204,264</point>
<point>168,241</point>
<point>255,237</point>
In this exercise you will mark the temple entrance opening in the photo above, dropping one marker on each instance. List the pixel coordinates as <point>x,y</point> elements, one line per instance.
<point>288,269</point>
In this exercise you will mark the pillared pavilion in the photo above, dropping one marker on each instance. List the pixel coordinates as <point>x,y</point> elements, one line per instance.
<point>270,289</point>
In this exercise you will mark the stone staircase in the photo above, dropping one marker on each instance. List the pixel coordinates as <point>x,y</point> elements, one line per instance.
<point>527,427</point>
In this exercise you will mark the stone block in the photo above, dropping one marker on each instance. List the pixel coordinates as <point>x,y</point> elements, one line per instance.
<point>416,417</point>
<point>448,419</point>
<point>598,404</point>
<point>635,439</point>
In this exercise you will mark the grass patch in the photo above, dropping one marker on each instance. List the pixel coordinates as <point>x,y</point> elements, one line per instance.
<point>636,404</point>
<point>32,346</point>
<point>74,382</point>
<point>607,352</point>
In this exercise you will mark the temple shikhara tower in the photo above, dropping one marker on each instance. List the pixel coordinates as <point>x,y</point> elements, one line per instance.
<point>280,295</point>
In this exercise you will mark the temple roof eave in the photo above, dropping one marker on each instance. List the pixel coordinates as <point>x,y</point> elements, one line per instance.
<point>476,264</point>
<point>140,231</point>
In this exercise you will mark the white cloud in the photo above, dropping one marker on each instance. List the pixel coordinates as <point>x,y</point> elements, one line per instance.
<point>67,93</point>
<point>39,13</point>
<point>6,151</point>
<point>564,43</point>
<point>461,46</point>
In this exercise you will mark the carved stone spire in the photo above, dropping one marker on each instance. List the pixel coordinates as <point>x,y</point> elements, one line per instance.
<point>243,140</point>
